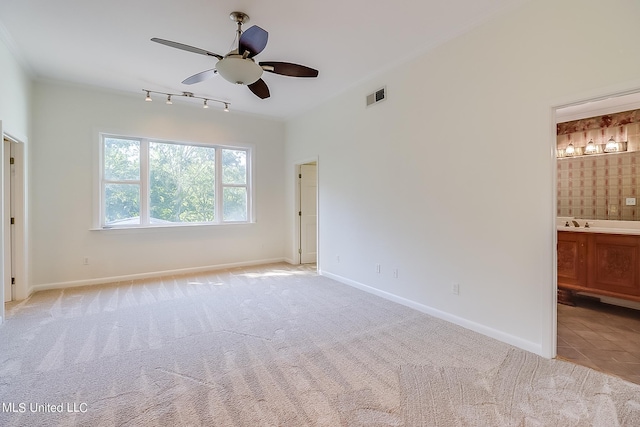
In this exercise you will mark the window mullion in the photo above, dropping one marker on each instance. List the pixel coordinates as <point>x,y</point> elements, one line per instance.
<point>218,186</point>
<point>144,182</point>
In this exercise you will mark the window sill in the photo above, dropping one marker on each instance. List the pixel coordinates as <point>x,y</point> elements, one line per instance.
<point>172,226</point>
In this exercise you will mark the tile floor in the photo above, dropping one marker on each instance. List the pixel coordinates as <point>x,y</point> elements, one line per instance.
<point>601,336</point>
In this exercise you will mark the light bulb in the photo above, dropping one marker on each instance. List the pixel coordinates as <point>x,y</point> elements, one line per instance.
<point>570,150</point>
<point>205,104</point>
<point>148,98</point>
<point>590,148</point>
<point>169,100</point>
<point>612,146</point>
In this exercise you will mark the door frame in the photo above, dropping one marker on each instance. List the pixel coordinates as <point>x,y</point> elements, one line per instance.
<point>296,208</point>
<point>550,319</point>
<point>301,214</point>
<point>18,247</point>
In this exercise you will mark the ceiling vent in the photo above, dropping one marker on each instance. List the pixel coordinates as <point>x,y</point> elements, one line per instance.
<point>377,96</point>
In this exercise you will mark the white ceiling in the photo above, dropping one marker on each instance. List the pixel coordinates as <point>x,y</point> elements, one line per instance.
<point>106,43</point>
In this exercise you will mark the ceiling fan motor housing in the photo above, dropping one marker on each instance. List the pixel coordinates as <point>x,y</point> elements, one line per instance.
<point>236,69</point>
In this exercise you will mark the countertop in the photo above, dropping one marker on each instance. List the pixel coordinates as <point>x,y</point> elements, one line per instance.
<point>599,226</point>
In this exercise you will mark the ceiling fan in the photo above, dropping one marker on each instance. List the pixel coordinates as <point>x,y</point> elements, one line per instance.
<point>238,66</point>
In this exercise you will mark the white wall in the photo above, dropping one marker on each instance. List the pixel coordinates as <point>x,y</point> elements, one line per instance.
<point>15,85</point>
<point>450,179</point>
<point>67,120</point>
<point>15,97</point>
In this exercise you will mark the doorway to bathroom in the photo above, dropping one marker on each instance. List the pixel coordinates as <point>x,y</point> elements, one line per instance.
<point>598,244</point>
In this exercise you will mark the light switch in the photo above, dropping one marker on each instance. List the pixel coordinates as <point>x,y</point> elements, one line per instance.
<point>631,201</point>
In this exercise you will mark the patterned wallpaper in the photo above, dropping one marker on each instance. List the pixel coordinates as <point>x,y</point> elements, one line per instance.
<point>595,187</point>
<point>599,122</point>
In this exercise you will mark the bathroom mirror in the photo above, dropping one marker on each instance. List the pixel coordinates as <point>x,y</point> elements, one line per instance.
<point>603,185</point>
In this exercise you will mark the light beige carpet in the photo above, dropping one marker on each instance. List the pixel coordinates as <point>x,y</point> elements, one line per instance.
<point>276,346</point>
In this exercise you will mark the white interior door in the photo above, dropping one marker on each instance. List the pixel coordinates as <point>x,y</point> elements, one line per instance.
<point>308,213</point>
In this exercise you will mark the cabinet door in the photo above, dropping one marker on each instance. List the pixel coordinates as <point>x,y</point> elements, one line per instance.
<point>614,263</point>
<point>572,252</point>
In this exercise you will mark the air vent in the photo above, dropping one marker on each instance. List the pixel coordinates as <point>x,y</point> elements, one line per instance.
<point>377,96</point>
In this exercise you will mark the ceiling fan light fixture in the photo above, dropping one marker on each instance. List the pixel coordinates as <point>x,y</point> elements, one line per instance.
<point>169,100</point>
<point>238,66</point>
<point>236,69</point>
<point>205,104</point>
<point>148,98</point>
<point>226,107</point>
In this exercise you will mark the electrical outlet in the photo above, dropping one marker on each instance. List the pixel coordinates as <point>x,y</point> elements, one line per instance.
<point>630,201</point>
<point>455,289</point>
<point>378,269</point>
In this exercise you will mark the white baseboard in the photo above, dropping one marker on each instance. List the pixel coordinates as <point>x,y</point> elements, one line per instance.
<point>460,321</point>
<point>137,276</point>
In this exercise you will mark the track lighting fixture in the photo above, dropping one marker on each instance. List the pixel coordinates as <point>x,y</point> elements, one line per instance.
<point>186,95</point>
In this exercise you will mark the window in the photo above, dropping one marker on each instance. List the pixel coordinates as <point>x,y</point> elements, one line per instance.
<point>146,182</point>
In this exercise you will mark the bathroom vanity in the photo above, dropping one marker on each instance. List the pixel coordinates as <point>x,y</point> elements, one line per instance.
<point>599,259</point>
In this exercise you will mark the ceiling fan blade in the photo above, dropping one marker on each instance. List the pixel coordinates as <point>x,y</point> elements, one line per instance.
<point>185,47</point>
<point>289,69</point>
<point>260,89</point>
<point>253,40</point>
<point>197,78</point>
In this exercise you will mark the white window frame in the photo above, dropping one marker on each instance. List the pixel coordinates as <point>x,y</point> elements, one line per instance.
<point>143,183</point>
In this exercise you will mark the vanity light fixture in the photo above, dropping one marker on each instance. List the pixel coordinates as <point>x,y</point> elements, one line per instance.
<point>611,147</point>
<point>590,148</point>
<point>570,150</point>
<point>186,95</point>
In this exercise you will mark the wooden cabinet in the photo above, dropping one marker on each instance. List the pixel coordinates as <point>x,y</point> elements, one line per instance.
<point>603,264</point>
<point>572,254</point>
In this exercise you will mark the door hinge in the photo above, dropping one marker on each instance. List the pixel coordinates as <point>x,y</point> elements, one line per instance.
<point>13,221</point>
<point>13,280</point>
<point>299,214</point>
<point>12,160</point>
<point>299,176</point>
<point>300,251</point>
